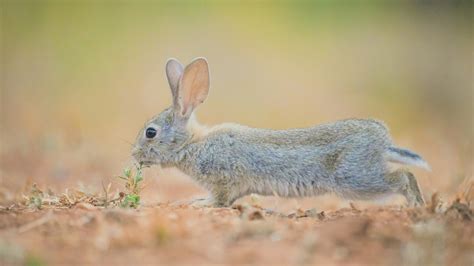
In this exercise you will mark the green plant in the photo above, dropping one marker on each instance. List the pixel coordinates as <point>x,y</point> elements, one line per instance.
<point>35,198</point>
<point>133,186</point>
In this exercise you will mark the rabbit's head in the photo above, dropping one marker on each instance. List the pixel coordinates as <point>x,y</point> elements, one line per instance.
<point>168,132</point>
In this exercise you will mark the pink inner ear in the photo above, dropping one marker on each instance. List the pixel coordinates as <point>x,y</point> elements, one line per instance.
<point>194,86</point>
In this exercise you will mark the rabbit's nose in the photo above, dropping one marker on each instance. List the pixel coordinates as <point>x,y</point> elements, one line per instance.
<point>153,152</point>
<point>136,153</point>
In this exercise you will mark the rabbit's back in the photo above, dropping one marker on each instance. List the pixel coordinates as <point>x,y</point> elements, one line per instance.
<point>320,135</point>
<point>344,157</point>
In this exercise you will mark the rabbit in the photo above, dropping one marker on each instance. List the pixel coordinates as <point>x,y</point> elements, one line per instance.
<point>349,157</point>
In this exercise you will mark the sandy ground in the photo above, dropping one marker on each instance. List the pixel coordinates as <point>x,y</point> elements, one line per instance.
<point>78,230</point>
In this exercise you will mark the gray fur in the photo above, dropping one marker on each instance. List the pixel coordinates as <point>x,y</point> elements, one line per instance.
<point>348,158</point>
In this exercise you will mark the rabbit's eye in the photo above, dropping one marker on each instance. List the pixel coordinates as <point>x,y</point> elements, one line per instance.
<point>150,132</point>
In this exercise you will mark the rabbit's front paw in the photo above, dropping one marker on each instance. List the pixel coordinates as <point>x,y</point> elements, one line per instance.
<point>202,202</point>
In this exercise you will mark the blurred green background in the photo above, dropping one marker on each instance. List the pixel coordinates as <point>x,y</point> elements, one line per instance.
<point>80,78</point>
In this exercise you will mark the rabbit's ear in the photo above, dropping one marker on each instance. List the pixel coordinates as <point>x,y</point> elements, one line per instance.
<point>193,86</point>
<point>174,72</point>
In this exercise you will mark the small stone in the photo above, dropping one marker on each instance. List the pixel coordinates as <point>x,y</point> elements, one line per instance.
<point>321,215</point>
<point>255,215</point>
<point>311,213</point>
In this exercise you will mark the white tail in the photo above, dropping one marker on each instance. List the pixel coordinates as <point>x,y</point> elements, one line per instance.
<point>405,156</point>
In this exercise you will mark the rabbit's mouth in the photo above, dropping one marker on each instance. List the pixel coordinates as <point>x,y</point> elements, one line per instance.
<point>142,158</point>
<point>147,163</point>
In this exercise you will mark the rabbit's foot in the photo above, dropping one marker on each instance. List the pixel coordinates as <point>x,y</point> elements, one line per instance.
<point>195,202</point>
<point>202,202</point>
<point>404,182</point>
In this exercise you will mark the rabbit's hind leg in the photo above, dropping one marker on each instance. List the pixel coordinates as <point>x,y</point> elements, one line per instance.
<point>404,182</point>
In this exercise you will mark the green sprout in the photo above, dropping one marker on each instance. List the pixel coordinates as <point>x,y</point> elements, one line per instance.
<point>133,179</point>
<point>35,199</point>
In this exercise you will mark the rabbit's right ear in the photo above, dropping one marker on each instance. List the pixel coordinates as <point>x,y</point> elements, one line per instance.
<point>174,72</point>
<point>193,86</point>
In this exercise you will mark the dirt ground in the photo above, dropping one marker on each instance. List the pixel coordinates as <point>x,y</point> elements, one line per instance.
<point>74,227</point>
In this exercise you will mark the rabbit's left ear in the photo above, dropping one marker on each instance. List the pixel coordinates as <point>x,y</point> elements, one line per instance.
<point>193,86</point>
<point>174,72</point>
